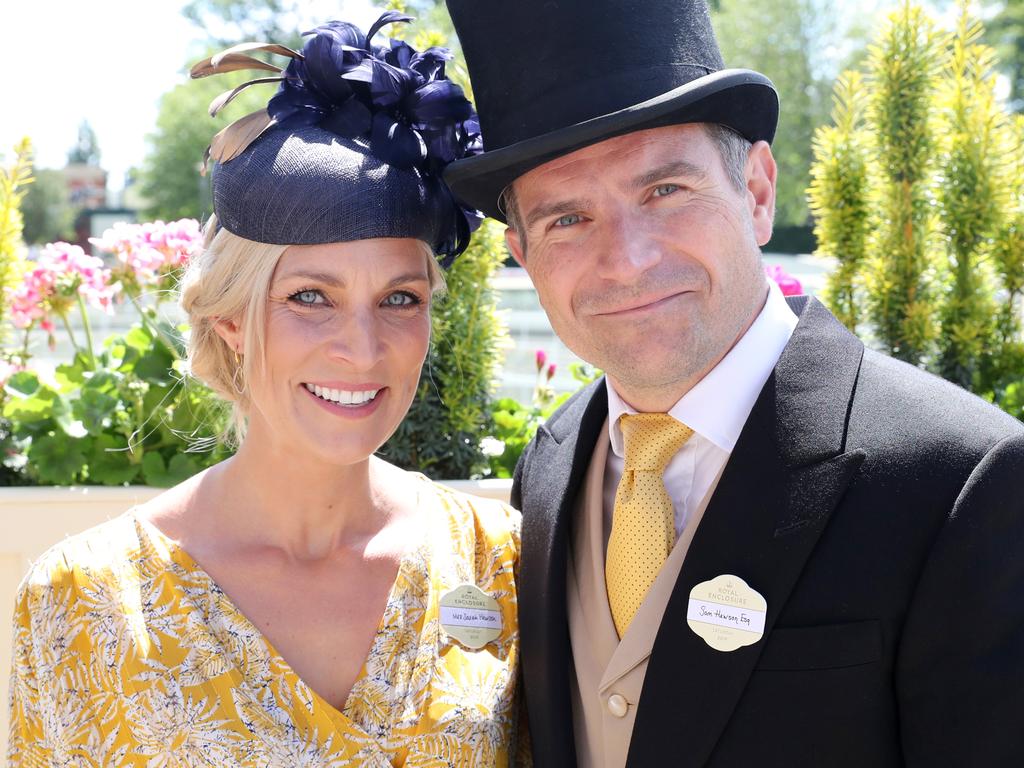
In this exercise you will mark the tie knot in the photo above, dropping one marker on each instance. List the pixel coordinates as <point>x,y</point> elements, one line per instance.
<point>651,440</point>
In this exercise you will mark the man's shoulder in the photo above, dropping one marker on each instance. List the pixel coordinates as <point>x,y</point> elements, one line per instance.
<point>570,413</point>
<point>912,410</point>
<point>564,424</point>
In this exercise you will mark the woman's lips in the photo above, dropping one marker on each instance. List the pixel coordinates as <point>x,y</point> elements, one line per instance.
<point>362,402</point>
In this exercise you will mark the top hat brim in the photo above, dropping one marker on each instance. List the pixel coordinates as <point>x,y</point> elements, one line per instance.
<point>740,99</point>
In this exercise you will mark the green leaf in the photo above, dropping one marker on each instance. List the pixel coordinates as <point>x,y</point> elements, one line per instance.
<point>40,405</point>
<point>173,334</point>
<point>110,462</point>
<point>129,348</point>
<point>94,408</point>
<point>138,338</point>
<point>104,381</point>
<point>23,383</point>
<point>72,375</point>
<point>156,366</point>
<point>157,473</point>
<point>56,460</point>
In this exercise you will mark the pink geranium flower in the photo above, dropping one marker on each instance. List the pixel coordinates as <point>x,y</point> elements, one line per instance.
<point>62,273</point>
<point>149,255</point>
<point>790,285</point>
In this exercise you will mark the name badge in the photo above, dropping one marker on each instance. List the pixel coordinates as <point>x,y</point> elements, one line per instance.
<point>471,616</point>
<point>727,613</point>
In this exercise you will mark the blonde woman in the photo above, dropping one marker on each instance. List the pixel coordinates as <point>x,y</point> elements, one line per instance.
<point>303,602</point>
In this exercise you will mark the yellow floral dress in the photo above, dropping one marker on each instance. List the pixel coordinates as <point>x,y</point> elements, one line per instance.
<point>128,654</point>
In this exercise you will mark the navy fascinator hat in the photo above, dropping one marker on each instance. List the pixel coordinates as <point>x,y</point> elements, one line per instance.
<point>352,146</point>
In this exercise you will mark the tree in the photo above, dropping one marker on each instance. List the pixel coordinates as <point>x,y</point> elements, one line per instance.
<point>782,41</point>
<point>839,197</point>
<point>230,21</point>
<point>973,195</point>
<point>46,210</point>
<point>86,150</point>
<point>170,177</point>
<point>1005,33</point>
<point>902,76</point>
<point>282,21</point>
<point>937,163</point>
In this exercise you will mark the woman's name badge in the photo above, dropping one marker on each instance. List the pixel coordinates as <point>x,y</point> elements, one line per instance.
<point>471,616</point>
<point>726,613</point>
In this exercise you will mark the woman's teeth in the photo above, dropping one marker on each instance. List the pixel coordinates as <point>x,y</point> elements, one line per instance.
<point>343,396</point>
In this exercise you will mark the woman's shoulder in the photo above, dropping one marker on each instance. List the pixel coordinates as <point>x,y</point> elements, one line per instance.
<point>490,516</point>
<point>98,554</point>
<point>487,522</point>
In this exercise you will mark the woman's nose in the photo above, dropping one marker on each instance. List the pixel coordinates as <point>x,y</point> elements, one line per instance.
<point>356,340</point>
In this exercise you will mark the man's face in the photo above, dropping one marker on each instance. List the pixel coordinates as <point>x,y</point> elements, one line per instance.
<point>645,255</point>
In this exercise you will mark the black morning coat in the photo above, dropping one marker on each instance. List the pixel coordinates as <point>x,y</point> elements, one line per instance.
<point>880,512</point>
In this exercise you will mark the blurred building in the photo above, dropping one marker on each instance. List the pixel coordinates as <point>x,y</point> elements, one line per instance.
<point>87,185</point>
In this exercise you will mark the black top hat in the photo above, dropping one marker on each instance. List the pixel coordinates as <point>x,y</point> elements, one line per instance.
<point>553,76</point>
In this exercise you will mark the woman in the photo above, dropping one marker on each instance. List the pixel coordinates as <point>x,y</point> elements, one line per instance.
<point>302,603</point>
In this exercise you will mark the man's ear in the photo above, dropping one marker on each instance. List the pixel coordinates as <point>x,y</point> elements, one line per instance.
<point>760,175</point>
<point>231,332</point>
<point>515,246</point>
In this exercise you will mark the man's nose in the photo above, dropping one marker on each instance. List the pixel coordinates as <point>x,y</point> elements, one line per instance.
<point>627,249</point>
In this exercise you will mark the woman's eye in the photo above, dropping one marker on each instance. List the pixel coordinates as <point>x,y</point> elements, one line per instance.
<point>307,298</point>
<point>401,299</point>
<point>568,220</point>
<point>665,189</point>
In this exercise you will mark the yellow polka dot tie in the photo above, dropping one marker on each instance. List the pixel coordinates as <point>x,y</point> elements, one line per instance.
<point>643,521</point>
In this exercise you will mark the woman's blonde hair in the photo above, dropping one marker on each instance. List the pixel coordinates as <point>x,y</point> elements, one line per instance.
<point>230,280</point>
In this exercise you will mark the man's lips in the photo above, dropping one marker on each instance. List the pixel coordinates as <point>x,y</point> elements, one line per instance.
<point>641,306</point>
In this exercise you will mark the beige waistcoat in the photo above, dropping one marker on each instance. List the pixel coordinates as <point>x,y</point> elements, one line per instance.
<point>609,672</point>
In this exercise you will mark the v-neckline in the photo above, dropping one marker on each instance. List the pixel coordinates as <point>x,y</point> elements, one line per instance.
<point>406,565</point>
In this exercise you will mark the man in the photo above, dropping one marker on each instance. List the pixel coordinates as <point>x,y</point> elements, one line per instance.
<point>753,543</point>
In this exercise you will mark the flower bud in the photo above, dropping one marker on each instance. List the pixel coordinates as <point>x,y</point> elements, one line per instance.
<point>541,359</point>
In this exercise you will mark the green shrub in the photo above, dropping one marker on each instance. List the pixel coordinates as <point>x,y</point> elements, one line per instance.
<point>838,197</point>
<point>441,435</point>
<point>13,183</point>
<point>920,199</point>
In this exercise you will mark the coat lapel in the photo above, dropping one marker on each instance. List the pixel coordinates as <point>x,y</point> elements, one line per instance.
<point>785,476</point>
<point>549,487</point>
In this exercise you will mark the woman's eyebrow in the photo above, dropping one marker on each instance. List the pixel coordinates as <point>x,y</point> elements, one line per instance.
<point>335,281</point>
<point>319,277</point>
<point>408,277</point>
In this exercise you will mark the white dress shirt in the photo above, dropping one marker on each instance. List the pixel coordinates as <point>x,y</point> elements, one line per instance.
<point>715,409</point>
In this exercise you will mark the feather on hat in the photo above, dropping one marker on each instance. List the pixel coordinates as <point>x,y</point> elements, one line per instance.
<point>352,145</point>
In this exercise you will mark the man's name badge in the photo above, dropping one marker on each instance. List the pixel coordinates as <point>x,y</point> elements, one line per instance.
<point>727,613</point>
<point>471,616</point>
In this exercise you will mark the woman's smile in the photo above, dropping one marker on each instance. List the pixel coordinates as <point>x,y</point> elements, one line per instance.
<point>350,403</point>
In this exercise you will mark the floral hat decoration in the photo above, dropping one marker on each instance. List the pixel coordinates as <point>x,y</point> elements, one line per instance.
<point>352,145</point>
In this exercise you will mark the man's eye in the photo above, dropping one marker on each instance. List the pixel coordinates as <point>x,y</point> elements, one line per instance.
<point>401,299</point>
<point>307,298</point>
<point>665,189</point>
<point>568,220</point>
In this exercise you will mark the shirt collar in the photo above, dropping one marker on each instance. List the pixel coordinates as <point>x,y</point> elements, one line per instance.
<point>717,406</point>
